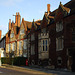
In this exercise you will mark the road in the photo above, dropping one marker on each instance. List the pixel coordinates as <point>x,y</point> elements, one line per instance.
<point>4,71</point>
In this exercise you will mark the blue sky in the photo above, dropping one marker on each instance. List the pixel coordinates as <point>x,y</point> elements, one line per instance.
<point>29,10</point>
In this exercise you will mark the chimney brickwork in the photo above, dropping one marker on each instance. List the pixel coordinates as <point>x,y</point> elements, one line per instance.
<point>17,19</point>
<point>0,34</point>
<point>9,24</point>
<point>48,7</point>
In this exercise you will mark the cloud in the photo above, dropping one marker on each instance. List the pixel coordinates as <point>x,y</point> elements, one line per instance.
<point>9,2</point>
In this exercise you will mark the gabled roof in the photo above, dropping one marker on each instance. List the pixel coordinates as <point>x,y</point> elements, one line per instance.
<point>71,5</point>
<point>28,24</point>
<point>64,8</point>
<point>38,22</point>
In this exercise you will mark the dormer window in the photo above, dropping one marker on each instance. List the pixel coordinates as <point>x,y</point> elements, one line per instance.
<point>22,31</point>
<point>59,26</point>
<point>12,35</point>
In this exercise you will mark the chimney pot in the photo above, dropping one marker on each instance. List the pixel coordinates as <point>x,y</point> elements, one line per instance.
<point>18,13</point>
<point>9,20</point>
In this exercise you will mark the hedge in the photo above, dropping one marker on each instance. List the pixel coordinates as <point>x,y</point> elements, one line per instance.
<point>19,61</point>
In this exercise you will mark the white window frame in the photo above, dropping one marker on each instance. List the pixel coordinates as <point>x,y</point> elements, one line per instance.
<point>25,44</point>
<point>59,26</point>
<point>20,45</point>
<point>58,43</point>
<point>22,31</point>
<point>32,37</point>
<point>33,49</point>
<point>13,46</point>
<point>12,35</point>
<point>44,44</point>
<point>9,47</point>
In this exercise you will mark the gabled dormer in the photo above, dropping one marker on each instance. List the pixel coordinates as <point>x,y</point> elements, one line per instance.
<point>48,18</point>
<point>34,26</point>
<point>61,12</point>
<point>12,35</point>
<point>22,31</point>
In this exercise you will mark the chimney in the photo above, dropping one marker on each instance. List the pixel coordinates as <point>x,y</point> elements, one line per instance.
<point>0,34</point>
<point>17,22</point>
<point>48,7</point>
<point>9,24</point>
<point>16,19</point>
<point>22,19</point>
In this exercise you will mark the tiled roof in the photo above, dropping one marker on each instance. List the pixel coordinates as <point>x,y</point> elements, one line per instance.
<point>38,22</point>
<point>28,24</point>
<point>69,5</point>
<point>64,8</point>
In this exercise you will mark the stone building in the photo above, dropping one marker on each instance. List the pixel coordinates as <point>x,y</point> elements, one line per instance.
<point>12,35</point>
<point>22,39</point>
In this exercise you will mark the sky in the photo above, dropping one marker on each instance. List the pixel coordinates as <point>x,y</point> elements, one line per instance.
<point>28,9</point>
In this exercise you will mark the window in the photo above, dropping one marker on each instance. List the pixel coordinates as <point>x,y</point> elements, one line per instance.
<point>9,47</point>
<point>45,45</point>
<point>59,61</point>
<point>32,49</point>
<point>59,26</point>
<point>20,45</point>
<point>12,35</point>
<point>13,47</point>
<point>59,43</point>
<point>32,37</point>
<point>25,44</point>
<point>22,31</point>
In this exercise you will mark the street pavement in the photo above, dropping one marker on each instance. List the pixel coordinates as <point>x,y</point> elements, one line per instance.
<point>54,72</point>
<point>4,71</point>
<point>15,70</point>
<point>20,71</point>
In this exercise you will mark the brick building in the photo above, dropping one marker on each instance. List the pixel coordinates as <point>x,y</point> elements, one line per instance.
<point>48,42</point>
<point>32,37</point>
<point>16,40</point>
<point>12,35</point>
<point>22,38</point>
<point>56,38</point>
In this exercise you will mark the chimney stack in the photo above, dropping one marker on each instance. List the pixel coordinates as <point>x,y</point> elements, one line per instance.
<point>17,19</point>
<point>48,7</point>
<point>9,24</point>
<point>0,34</point>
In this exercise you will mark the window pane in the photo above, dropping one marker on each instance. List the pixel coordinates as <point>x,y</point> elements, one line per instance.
<point>43,45</point>
<point>46,45</point>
